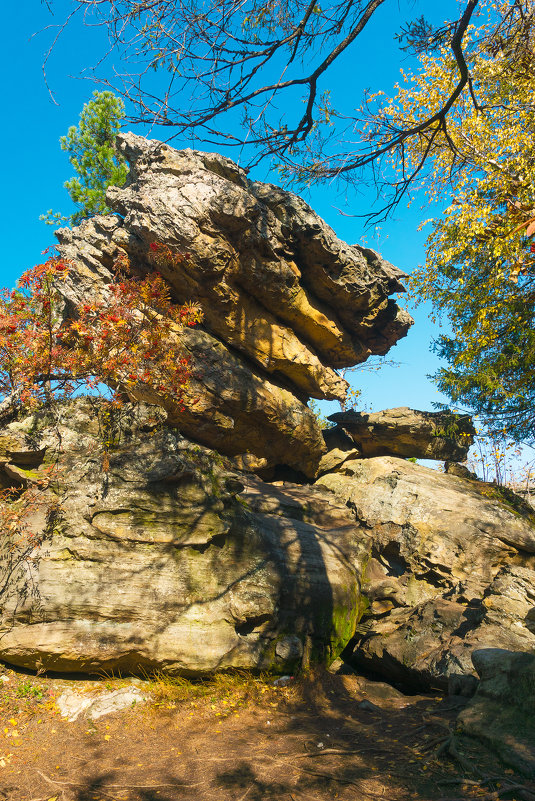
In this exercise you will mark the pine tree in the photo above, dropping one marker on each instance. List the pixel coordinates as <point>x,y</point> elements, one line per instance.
<point>93,154</point>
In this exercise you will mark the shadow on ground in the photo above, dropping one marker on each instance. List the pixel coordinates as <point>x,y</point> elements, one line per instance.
<point>319,738</point>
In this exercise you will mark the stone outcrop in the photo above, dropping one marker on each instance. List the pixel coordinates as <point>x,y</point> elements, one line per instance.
<point>167,559</point>
<point>170,558</point>
<point>162,554</point>
<point>285,301</point>
<point>408,432</point>
<point>453,569</point>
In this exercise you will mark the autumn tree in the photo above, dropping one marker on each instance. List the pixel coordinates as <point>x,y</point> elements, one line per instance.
<point>117,346</point>
<point>94,156</point>
<point>127,340</point>
<point>480,268</point>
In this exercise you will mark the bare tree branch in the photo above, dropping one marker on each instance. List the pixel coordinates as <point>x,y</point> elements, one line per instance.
<point>224,57</point>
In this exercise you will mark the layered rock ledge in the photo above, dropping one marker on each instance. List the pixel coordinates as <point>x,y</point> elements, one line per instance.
<point>286,303</point>
<point>164,556</point>
<point>408,432</point>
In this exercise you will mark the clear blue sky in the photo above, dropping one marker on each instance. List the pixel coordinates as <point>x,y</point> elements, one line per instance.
<point>35,168</point>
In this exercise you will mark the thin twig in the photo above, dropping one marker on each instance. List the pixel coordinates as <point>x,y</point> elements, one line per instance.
<point>122,786</point>
<point>341,751</point>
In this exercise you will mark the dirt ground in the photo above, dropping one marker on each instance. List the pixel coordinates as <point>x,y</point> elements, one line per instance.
<point>238,737</point>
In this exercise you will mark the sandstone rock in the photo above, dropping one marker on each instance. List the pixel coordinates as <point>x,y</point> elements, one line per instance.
<point>340,447</point>
<point>460,470</point>
<point>452,569</point>
<point>236,411</point>
<point>19,465</point>
<point>72,704</point>
<point>407,432</point>
<point>335,438</point>
<point>285,301</point>
<point>266,240</point>
<point>335,458</point>
<point>170,560</point>
<point>502,711</point>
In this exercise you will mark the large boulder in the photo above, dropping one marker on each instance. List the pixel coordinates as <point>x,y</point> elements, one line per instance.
<point>156,555</point>
<point>285,301</point>
<point>502,712</point>
<point>408,432</point>
<point>453,569</point>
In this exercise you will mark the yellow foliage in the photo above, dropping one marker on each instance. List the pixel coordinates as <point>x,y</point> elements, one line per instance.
<point>480,269</point>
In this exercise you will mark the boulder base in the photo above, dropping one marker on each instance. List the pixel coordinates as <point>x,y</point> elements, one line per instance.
<point>166,559</point>
<point>502,712</point>
<point>453,569</point>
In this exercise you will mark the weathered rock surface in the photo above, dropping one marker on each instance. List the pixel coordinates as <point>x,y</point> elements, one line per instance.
<point>72,704</point>
<point>502,712</point>
<point>460,470</point>
<point>453,569</point>
<point>408,432</point>
<point>168,559</point>
<point>171,558</point>
<point>340,449</point>
<point>285,301</point>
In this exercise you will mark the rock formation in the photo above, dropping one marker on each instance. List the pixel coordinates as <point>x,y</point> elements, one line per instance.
<point>407,432</point>
<point>285,301</point>
<point>170,558</point>
<point>161,553</point>
<point>453,569</point>
<point>166,559</point>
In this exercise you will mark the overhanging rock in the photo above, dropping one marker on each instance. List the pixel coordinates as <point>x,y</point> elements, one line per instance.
<point>286,303</point>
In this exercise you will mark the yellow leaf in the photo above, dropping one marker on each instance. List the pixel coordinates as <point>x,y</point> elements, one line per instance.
<point>106,736</point>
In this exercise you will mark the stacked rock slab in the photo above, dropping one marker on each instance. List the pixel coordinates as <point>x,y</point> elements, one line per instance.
<point>165,558</point>
<point>285,301</point>
<point>408,432</point>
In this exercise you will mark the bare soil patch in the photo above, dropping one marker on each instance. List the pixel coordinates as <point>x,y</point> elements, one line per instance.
<point>240,737</point>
